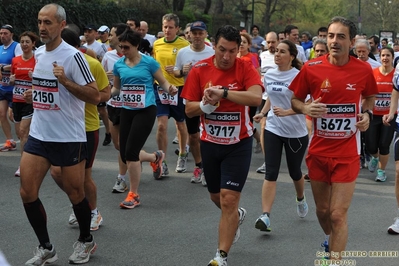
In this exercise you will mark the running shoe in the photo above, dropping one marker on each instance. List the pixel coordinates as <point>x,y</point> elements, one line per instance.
<point>262,169</point>
<point>165,169</point>
<point>263,223</point>
<point>82,251</point>
<point>306,177</point>
<point>157,166</point>
<point>325,246</point>
<point>381,176</point>
<point>120,186</point>
<point>18,172</point>
<point>218,261</point>
<point>107,139</point>
<point>203,180</point>
<point>197,175</point>
<point>72,219</point>
<point>241,217</point>
<point>42,256</point>
<point>302,207</point>
<point>132,200</point>
<point>258,148</point>
<point>9,146</point>
<point>181,163</point>
<point>175,140</point>
<point>373,164</point>
<point>96,221</point>
<point>394,228</point>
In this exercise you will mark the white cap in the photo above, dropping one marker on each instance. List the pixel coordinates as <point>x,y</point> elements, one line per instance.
<point>103,28</point>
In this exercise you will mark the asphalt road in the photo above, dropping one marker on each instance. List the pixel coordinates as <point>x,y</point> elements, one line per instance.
<point>176,223</point>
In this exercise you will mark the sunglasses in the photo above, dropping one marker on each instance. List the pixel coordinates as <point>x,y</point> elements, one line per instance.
<point>124,47</point>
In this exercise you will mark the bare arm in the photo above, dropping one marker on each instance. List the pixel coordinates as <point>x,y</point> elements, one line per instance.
<point>165,85</point>
<point>105,94</point>
<point>250,97</point>
<point>392,110</point>
<point>193,108</point>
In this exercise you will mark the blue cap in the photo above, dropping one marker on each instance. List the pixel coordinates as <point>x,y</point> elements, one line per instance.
<point>198,25</point>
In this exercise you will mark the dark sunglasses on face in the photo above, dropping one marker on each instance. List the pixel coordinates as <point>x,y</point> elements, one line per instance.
<point>124,47</point>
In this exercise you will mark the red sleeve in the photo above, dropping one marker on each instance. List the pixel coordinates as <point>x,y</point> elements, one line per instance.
<point>300,85</point>
<point>13,65</point>
<point>192,89</point>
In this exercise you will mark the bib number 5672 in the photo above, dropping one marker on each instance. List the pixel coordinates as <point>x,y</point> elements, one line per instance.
<point>335,123</point>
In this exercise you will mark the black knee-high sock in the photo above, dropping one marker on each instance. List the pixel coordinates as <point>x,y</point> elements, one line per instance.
<point>38,220</point>
<point>83,215</point>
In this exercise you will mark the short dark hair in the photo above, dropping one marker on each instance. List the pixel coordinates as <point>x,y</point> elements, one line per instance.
<point>376,39</point>
<point>130,36</point>
<point>289,28</point>
<point>229,33</point>
<point>70,37</point>
<point>389,49</point>
<point>136,22</point>
<point>385,39</point>
<point>322,29</point>
<point>254,26</point>
<point>347,23</point>
<point>120,28</point>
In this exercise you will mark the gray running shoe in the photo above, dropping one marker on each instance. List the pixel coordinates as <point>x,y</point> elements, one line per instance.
<point>157,167</point>
<point>120,186</point>
<point>181,164</point>
<point>42,256</point>
<point>302,207</point>
<point>82,251</point>
<point>263,223</point>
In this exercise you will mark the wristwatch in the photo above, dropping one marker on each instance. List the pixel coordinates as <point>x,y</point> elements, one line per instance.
<point>370,114</point>
<point>225,92</point>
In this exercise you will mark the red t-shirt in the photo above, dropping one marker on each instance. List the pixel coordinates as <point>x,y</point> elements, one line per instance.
<point>23,82</point>
<point>341,88</point>
<point>253,58</point>
<point>230,122</point>
<point>383,98</point>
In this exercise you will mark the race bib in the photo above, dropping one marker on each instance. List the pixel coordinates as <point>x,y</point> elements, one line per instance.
<point>20,86</point>
<point>45,94</point>
<point>5,79</point>
<point>382,102</point>
<point>116,100</point>
<point>166,98</point>
<point>223,128</point>
<point>133,95</point>
<point>338,123</point>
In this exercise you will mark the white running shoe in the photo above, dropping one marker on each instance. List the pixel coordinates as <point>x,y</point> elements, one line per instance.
<point>181,164</point>
<point>302,207</point>
<point>72,219</point>
<point>42,256</point>
<point>197,174</point>
<point>18,172</point>
<point>241,217</point>
<point>120,186</point>
<point>394,228</point>
<point>175,140</point>
<point>82,251</point>
<point>262,169</point>
<point>218,261</point>
<point>96,221</point>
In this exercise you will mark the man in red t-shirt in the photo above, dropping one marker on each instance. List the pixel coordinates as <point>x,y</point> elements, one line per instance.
<point>219,89</point>
<point>338,84</point>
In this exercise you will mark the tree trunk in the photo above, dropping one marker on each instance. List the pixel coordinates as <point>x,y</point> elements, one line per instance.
<point>178,5</point>
<point>219,7</point>
<point>208,4</point>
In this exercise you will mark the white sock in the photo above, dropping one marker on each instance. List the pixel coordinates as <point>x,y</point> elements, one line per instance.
<point>327,238</point>
<point>122,177</point>
<point>95,211</point>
